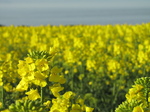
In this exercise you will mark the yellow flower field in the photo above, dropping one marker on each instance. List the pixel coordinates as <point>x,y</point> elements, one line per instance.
<point>82,68</point>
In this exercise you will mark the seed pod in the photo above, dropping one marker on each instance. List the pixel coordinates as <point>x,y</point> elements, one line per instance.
<point>30,104</point>
<point>40,110</point>
<point>25,103</point>
<point>23,108</point>
<point>18,108</point>
<point>33,108</point>
<point>17,103</point>
<point>12,107</point>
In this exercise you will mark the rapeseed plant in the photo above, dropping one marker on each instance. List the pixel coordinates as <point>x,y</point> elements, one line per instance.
<point>35,72</point>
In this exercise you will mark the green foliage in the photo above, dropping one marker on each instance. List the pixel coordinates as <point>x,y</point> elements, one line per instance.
<point>27,106</point>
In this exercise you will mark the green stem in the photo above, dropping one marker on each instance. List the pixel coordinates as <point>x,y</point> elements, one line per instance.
<point>3,97</point>
<point>147,92</point>
<point>41,95</point>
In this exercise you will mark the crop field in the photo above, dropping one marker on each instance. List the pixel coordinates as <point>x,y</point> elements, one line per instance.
<point>80,68</point>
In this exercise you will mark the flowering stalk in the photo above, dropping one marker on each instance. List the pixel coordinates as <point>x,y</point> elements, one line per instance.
<point>39,55</point>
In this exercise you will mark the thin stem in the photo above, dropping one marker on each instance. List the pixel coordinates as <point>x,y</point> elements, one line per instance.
<point>3,97</point>
<point>41,95</point>
<point>147,92</point>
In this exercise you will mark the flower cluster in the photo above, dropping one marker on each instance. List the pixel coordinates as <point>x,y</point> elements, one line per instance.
<point>138,97</point>
<point>32,71</point>
<point>63,103</point>
<point>35,70</point>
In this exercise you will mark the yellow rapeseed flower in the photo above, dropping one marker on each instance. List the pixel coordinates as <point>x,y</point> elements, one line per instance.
<point>68,94</point>
<point>40,75</point>
<point>47,103</point>
<point>23,68</point>
<point>29,60</point>
<point>39,82</point>
<point>54,78</point>
<point>33,94</point>
<point>56,88</point>
<point>57,78</point>
<point>89,109</point>
<point>60,105</point>
<point>42,64</point>
<point>56,70</point>
<point>31,66</point>
<point>76,108</point>
<point>23,85</point>
<point>138,109</point>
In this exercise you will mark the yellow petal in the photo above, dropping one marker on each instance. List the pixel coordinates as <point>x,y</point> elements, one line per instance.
<point>56,70</point>
<point>89,109</point>
<point>39,82</point>
<point>42,64</point>
<point>29,60</point>
<point>23,85</point>
<point>138,109</point>
<point>56,88</point>
<point>33,94</point>
<point>54,78</point>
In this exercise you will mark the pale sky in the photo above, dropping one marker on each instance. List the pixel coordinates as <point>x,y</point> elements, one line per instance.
<point>74,3</point>
<point>36,12</point>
